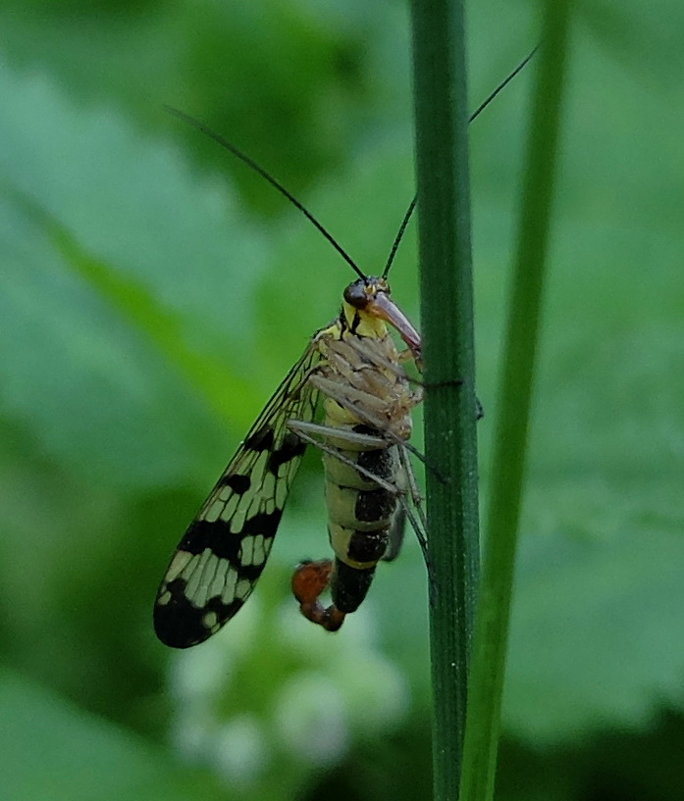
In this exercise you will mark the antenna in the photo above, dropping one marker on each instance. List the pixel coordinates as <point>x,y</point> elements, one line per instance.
<point>200,126</point>
<point>473,116</point>
<point>400,235</point>
<point>245,159</point>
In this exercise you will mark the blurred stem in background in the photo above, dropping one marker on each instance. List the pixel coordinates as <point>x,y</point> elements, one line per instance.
<point>515,394</point>
<point>450,408</point>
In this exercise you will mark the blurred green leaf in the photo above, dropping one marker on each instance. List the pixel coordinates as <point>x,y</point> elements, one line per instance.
<point>604,508</point>
<point>217,61</point>
<point>592,633</point>
<point>52,749</point>
<point>83,191</point>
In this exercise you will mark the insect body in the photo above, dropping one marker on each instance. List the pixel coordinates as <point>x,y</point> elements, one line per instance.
<point>368,403</point>
<point>354,364</point>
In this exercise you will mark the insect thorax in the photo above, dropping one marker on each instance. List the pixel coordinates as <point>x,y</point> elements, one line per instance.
<point>364,384</point>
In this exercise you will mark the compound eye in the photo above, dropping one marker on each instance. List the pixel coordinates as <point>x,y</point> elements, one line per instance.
<point>357,294</point>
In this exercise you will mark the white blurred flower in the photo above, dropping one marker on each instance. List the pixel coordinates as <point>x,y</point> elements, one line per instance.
<point>190,734</point>
<point>327,689</point>
<point>375,690</point>
<point>311,718</point>
<point>240,751</point>
<point>201,673</point>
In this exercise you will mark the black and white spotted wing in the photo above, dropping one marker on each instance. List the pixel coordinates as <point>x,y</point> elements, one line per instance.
<point>224,550</point>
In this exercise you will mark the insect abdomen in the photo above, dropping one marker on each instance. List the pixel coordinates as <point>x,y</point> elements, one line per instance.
<point>360,513</point>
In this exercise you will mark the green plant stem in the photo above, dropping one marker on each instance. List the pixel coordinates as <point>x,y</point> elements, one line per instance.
<point>515,392</point>
<point>450,406</point>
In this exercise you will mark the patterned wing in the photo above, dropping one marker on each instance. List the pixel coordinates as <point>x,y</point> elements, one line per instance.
<point>224,550</point>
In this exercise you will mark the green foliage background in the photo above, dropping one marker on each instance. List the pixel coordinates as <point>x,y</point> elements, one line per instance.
<point>153,292</point>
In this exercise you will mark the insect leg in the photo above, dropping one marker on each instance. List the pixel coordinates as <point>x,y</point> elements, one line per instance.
<point>300,430</point>
<point>420,528</point>
<point>361,440</point>
<point>419,523</point>
<point>346,400</point>
<point>396,535</point>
